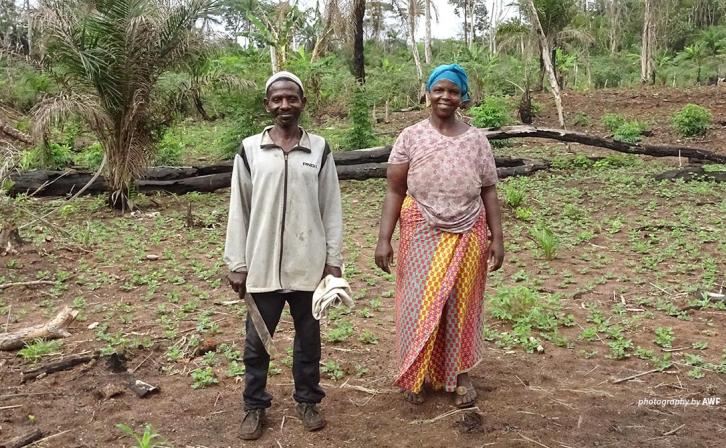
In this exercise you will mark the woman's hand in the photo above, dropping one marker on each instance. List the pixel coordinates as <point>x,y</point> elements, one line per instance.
<point>384,255</point>
<point>495,254</point>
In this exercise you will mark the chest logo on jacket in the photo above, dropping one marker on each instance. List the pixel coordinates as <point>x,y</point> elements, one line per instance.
<point>311,165</point>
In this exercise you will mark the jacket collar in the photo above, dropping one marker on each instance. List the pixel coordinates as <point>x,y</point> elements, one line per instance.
<point>267,143</point>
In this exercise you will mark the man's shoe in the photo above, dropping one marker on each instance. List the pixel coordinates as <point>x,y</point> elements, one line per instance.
<point>251,428</point>
<point>310,416</point>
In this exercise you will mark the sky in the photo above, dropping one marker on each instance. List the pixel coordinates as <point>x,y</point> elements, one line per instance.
<point>448,25</point>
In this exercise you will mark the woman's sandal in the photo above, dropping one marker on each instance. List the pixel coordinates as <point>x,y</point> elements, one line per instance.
<point>413,398</point>
<point>467,395</point>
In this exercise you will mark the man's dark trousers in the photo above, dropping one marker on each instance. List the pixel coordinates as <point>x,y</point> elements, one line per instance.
<point>306,349</point>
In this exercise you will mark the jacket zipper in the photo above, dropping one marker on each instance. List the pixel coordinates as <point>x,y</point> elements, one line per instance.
<point>282,231</point>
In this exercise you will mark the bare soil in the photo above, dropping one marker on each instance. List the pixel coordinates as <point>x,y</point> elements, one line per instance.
<point>564,397</point>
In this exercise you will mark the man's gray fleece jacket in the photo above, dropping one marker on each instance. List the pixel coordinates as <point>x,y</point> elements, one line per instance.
<point>285,217</point>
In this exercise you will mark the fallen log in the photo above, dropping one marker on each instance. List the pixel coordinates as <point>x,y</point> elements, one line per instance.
<point>59,184</point>
<point>23,440</point>
<point>591,140</point>
<point>693,173</point>
<point>56,366</point>
<point>14,133</point>
<point>53,329</point>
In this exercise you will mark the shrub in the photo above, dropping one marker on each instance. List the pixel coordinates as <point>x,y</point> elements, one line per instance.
<point>53,157</point>
<point>492,113</point>
<point>169,150</point>
<point>91,157</point>
<point>613,121</point>
<point>513,194</point>
<point>546,241</point>
<point>692,120</point>
<point>361,133</point>
<point>630,132</point>
<point>581,119</point>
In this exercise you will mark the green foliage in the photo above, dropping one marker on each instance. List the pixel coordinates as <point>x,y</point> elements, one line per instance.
<point>494,112</point>
<point>38,349</point>
<point>368,337</point>
<point>361,132</point>
<point>630,132</point>
<point>341,332</point>
<point>664,337</point>
<point>148,439</point>
<point>692,120</point>
<point>582,119</point>
<point>570,162</point>
<point>91,157</point>
<point>546,240</point>
<point>512,303</point>
<point>22,85</point>
<point>53,157</point>
<point>332,369</point>
<point>169,151</point>
<point>203,378</point>
<point>613,121</point>
<point>513,193</point>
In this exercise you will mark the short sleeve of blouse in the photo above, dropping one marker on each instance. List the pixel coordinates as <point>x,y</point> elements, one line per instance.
<point>489,169</point>
<point>400,152</point>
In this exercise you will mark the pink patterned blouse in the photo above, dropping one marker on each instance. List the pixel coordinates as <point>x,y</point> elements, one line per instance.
<point>446,174</point>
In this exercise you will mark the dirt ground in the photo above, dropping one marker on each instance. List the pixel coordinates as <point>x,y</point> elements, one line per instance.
<point>146,283</point>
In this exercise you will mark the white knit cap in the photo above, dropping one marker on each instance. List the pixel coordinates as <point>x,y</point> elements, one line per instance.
<point>284,75</point>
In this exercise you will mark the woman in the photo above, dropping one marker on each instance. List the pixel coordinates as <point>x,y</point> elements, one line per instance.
<point>442,185</point>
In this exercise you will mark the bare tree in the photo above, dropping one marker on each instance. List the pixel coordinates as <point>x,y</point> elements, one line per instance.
<point>359,11</point>
<point>408,12</point>
<point>427,34</point>
<point>614,12</point>
<point>545,50</point>
<point>647,50</point>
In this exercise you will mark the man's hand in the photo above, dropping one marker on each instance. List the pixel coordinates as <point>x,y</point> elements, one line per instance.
<point>238,282</point>
<point>335,271</point>
<point>495,254</point>
<point>384,255</point>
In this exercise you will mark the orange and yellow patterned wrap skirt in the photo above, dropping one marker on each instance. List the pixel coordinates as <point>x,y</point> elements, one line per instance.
<point>439,294</point>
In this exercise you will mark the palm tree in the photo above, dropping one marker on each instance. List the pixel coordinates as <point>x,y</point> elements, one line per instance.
<point>698,54</point>
<point>111,53</point>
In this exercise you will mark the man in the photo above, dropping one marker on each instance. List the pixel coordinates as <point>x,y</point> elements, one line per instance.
<point>284,234</point>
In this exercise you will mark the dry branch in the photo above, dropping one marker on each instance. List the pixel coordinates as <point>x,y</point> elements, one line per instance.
<point>57,366</point>
<point>600,142</point>
<point>53,329</point>
<point>23,440</point>
<point>31,283</point>
<point>14,133</point>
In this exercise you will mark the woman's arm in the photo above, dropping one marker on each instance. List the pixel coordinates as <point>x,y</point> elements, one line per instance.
<point>495,252</point>
<point>396,176</point>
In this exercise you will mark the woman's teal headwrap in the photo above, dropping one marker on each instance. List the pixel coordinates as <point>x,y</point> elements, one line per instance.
<point>454,73</point>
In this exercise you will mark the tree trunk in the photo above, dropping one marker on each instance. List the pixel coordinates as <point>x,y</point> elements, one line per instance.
<point>547,61</point>
<point>275,65</point>
<point>53,329</point>
<point>411,21</point>
<point>612,10</point>
<point>466,23</point>
<point>647,74</point>
<point>199,105</point>
<point>471,23</point>
<point>427,34</point>
<point>359,11</point>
